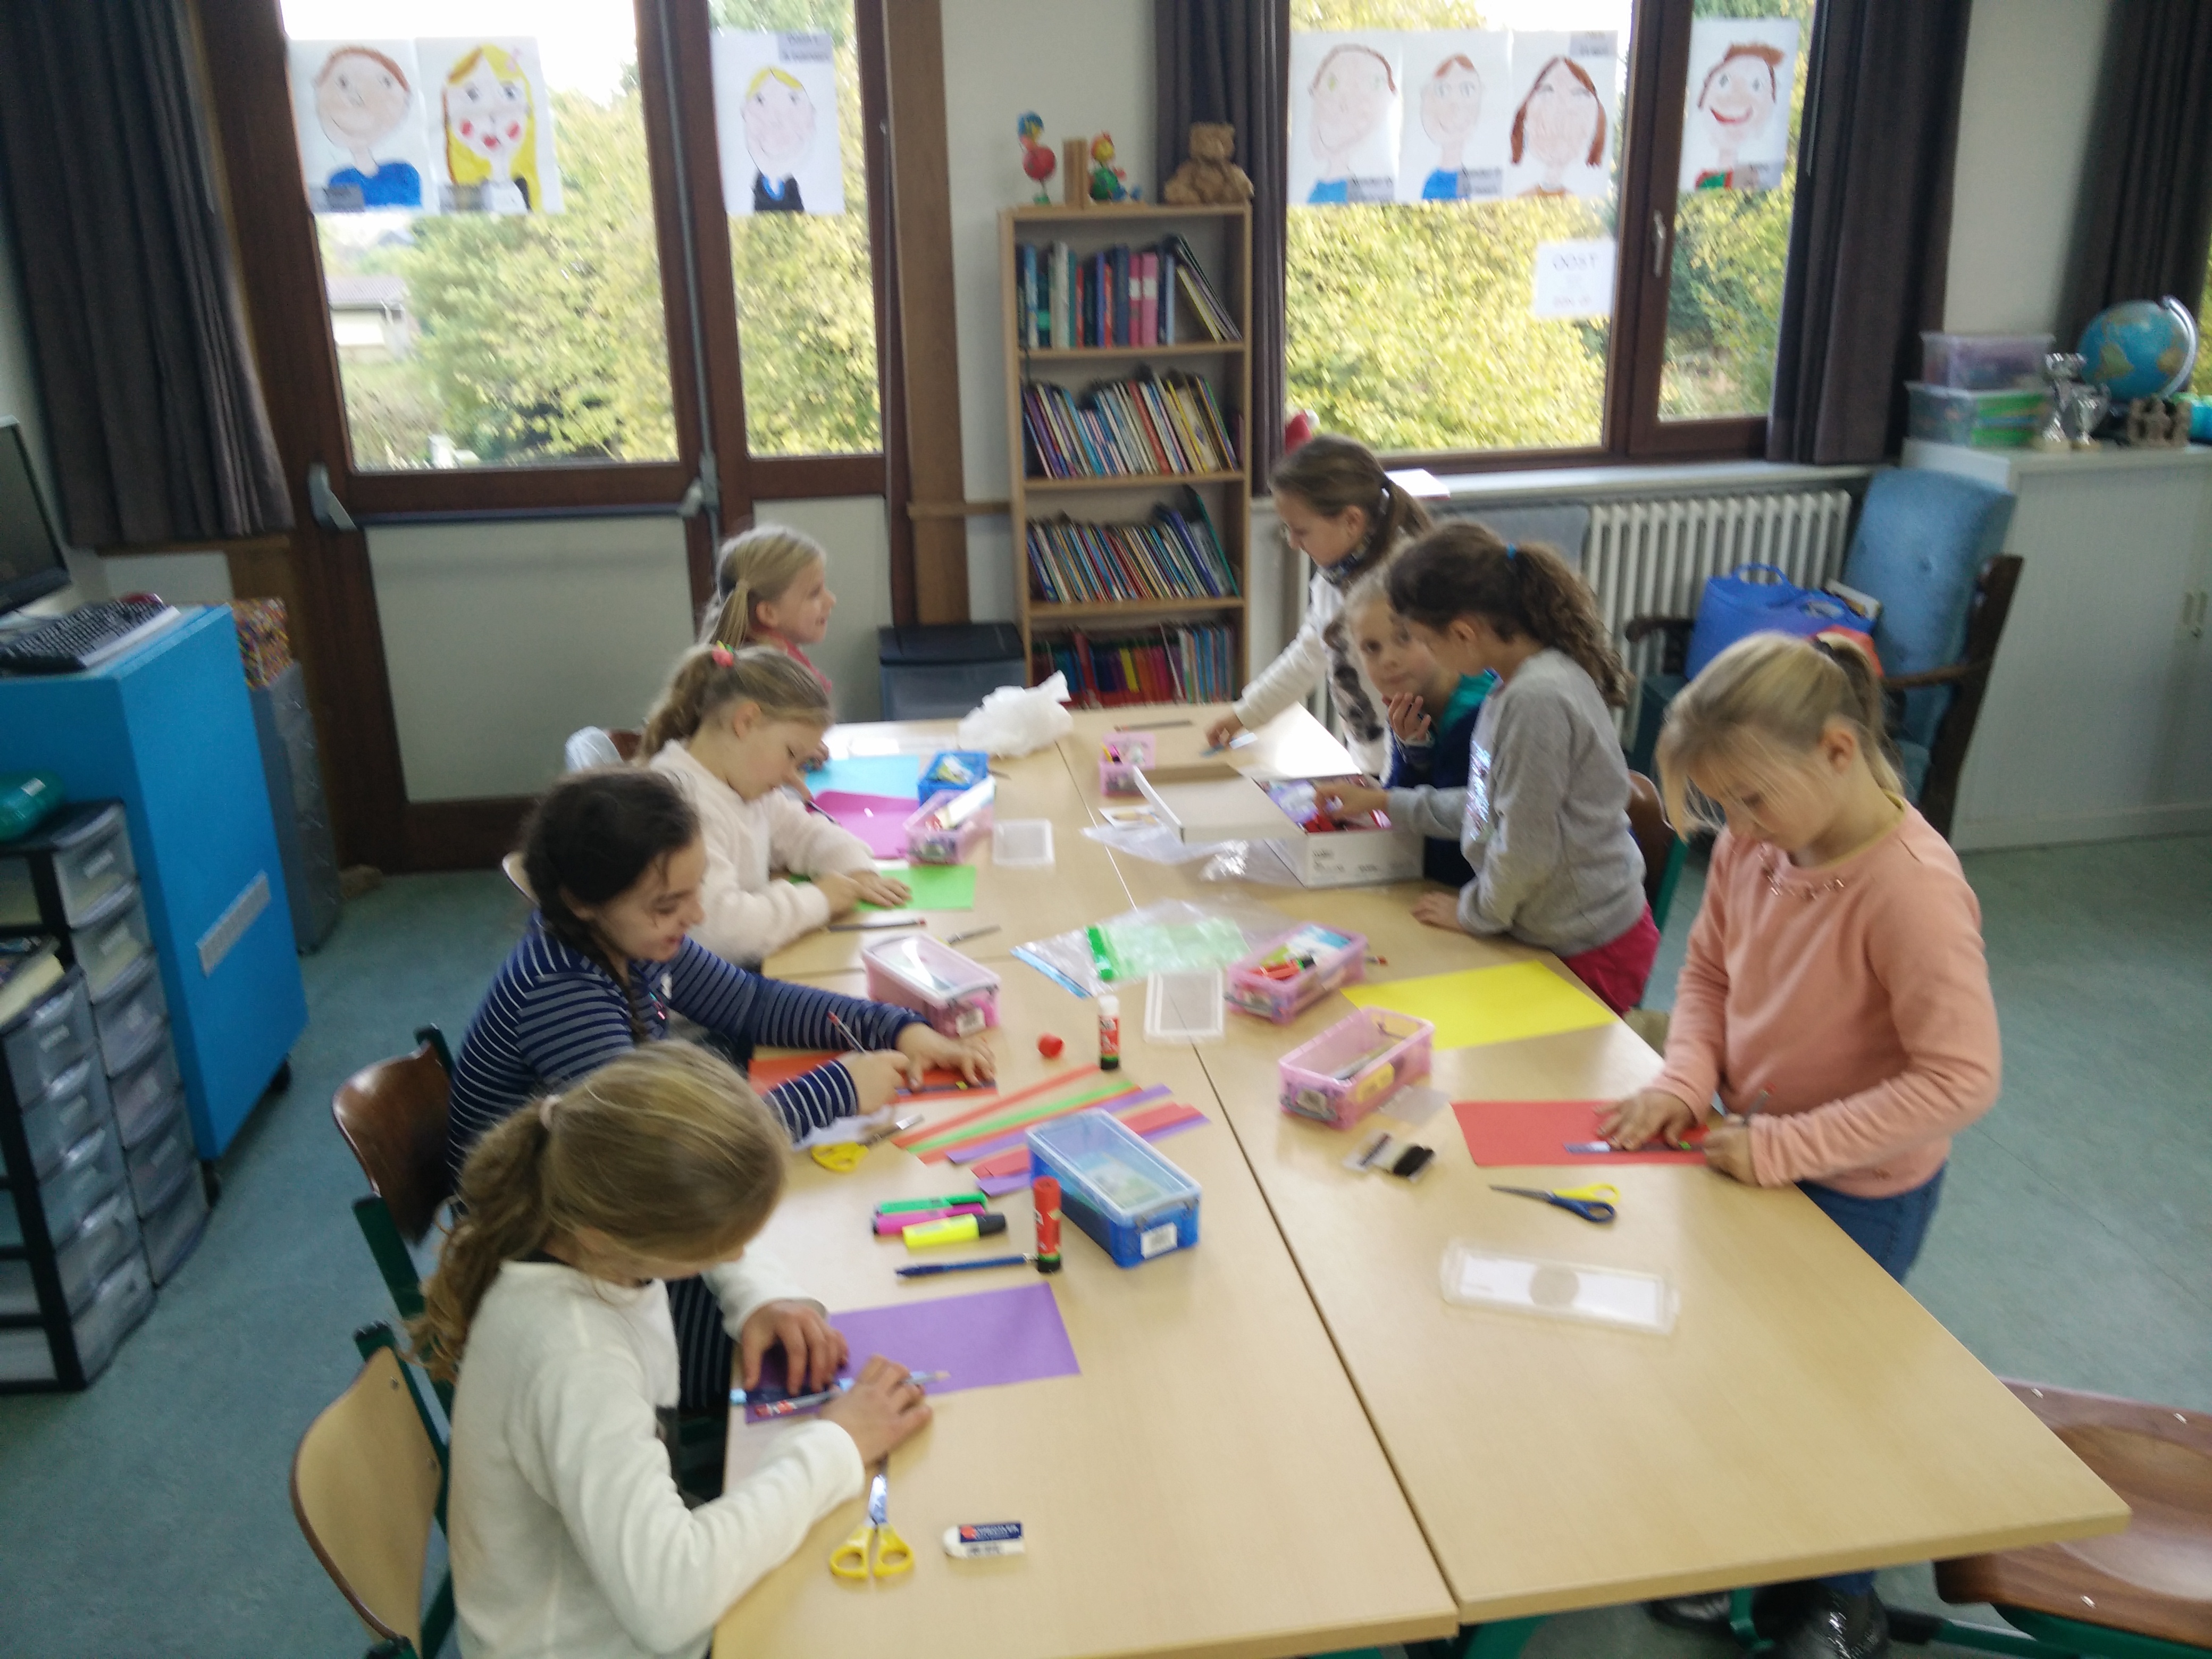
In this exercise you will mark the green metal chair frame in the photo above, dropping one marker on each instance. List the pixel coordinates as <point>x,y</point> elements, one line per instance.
<point>438,1616</point>
<point>2036,1635</point>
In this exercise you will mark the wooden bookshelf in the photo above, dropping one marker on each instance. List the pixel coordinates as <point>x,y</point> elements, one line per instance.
<point>1221,237</point>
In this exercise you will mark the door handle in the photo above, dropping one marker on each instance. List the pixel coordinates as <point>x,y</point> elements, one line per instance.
<point>323,501</point>
<point>1659,233</point>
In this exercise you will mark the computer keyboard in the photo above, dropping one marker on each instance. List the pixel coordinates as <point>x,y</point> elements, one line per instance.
<point>88,636</point>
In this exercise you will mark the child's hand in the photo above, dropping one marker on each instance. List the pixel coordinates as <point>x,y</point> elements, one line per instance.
<point>1409,718</point>
<point>878,1076</point>
<point>1349,800</point>
<point>924,1047</point>
<point>819,758</point>
<point>1221,730</point>
<point>843,892</point>
<point>1438,910</point>
<point>813,1348</point>
<point>881,1411</point>
<point>1727,1149</point>
<point>1646,1116</point>
<point>880,890</point>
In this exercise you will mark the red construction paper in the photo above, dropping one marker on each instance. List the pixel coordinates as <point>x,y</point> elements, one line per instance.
<point>1516,1133</point>
<point>775,1071</point>
<point>930,1131</point>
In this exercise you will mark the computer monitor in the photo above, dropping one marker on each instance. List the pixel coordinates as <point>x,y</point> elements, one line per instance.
<point>31,561</point>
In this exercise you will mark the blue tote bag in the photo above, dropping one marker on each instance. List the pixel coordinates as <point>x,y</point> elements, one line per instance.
<point>1734,607</point>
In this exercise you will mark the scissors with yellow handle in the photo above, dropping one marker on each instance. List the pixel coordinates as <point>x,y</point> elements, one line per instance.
<point>875,1550</point>
<point>844,1155</point>
<point>1592,1203</point>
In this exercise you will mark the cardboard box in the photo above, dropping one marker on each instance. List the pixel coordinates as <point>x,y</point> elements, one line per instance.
<point>1213,801</point>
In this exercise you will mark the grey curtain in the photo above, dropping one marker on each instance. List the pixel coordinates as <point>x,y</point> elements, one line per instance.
<point>1229,60</point>
<point>153,409</point>
<point>2144,225</point>
<point>1872,228</point>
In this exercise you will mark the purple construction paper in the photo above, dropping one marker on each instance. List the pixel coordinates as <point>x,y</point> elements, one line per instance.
<point>981,1340</point>
<point>1000,1186</point>
<point>1007,1143</point>
<point>878,820</point>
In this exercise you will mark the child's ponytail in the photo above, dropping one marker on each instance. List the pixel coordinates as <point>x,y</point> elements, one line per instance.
<point>1331,474</point>
<point>666,1151</point>
<point>1463,569</point>
<point>710,677</point>
<point>756,565</point>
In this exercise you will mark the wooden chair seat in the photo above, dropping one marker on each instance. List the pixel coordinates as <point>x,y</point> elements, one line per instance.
<point>2153,1579</point>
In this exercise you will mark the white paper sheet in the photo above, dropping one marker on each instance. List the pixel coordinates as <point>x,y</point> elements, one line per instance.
<point>1735,108</point>
<point>1345,92</point>
<point>776,122</point>
<point>490,110</point>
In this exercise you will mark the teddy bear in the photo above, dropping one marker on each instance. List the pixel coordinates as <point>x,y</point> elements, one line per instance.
<point>1210,175</point>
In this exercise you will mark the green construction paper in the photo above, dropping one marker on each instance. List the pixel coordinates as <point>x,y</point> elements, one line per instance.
<point>934,887</point>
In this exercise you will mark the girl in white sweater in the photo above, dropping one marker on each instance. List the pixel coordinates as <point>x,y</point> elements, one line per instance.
<point>1340,509</point>
<point>733,729</point>
<point>568,1533</point>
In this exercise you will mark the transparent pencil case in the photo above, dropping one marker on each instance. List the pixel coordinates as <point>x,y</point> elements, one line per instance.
<point>1475,1276</point>
<point>1355,1067</point>
<point>957,996</point>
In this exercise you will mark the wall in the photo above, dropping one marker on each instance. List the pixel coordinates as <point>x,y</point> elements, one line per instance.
<point>2032,68</point>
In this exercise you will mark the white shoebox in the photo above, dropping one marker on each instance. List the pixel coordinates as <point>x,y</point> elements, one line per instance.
<point>1213,801</point>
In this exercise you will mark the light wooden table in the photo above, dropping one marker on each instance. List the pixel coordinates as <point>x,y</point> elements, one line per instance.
<point>1208,1485</point>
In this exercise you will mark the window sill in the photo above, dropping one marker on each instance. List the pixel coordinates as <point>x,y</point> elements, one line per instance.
<point>1592,483</point>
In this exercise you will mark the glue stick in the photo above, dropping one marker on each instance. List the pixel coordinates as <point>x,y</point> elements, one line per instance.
<point>1110,1034</point>
<point>1044,1194</point>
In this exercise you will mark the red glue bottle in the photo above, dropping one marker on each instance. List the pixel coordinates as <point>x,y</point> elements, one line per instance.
<point>1110,1034</point>
<point>1044,1194</point>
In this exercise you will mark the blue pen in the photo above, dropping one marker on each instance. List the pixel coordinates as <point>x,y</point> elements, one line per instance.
<point>929,1267</point>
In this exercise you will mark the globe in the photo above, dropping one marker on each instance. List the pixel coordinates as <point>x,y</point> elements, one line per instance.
<point>2141,349</point>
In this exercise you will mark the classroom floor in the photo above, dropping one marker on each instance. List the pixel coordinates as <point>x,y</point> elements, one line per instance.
<point>150,1515</point>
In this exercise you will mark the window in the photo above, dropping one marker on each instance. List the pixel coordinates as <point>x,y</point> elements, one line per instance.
<point>1480,189</point>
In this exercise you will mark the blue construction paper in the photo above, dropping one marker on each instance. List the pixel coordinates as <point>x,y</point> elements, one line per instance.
<point>869,775</point>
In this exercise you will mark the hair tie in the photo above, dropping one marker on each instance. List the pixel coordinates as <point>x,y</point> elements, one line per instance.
<point>545,1113</point>
<point>1511,552</point>
<point>721,656</point>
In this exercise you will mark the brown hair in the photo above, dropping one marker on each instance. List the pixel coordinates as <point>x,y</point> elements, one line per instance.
<point>1334,52</point>
<point>591,838</point>
<point>1768,698</point>
<point>1520,116</point>
<point>1331,473</point>
<point>666,1149</point>
<point>710,678</point>
<point>758,565</point>
<point>331,62</point>
<point>1524,591</point>
<point>1770,55</point>
<point>1457,60</point>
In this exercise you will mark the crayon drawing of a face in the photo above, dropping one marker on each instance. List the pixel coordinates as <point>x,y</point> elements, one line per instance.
<point>361,98</point>
<point>779,120</point>
<point>1451,104</point>
<point>1351,94</point>
<point>1561,123</point>
<point>1739,98</point>
<point>487,111</point>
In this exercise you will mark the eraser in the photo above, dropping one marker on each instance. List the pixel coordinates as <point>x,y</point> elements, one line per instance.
<point>1049,1045</point>
<point>977,1538</point>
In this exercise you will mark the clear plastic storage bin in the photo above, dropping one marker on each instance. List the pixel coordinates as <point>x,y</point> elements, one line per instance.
<point>48,1040</point>
<point>114,939</point>
<point>73,1106</point>
<point>958,997</point>
<point>102,1239</point>
<point>141,1094</point>
<point>1121,756</point>
<point>115,1309</point>
<point>955,770</point>
<point>158,1162</point>
<point>87,1172</point>
<point>133,1017</point>
<point>1979,420</point>
<point>1472,1275</point>
<point>1983,362</point>
<point>949,826</point>
<point>1355,1067</point>
<point>1281,979</point>
<point>1131,1202</point>
<point>91,863</point>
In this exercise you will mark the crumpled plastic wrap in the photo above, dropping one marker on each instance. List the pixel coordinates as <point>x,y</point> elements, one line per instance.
<point>1018,720</point>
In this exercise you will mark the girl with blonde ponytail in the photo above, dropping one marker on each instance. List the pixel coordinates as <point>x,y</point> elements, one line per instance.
<point>1835,985</point>
<point>550,1305</point>
<point>772,587</point>
<point>733,730</point>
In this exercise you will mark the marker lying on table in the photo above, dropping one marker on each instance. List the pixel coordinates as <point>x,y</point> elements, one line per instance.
<point>954,1201</point>
<point>892,1227</point>
<point>926,1269</point>
<point>802,1402</point>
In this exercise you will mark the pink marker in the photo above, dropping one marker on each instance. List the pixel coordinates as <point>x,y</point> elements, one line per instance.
<point>891,1226</point>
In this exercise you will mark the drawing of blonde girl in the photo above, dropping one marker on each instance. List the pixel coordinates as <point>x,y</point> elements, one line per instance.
<point>491,134</point>
<point>779,122</point>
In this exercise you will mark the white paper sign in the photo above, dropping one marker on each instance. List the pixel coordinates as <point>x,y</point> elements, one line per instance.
<point>1573,279</point>
<point>1344,104</point>
<point>1458,109</point>
<point>1566,117</point>
<point>357,106</point>
<point>490,113</point>
<point>1735,109</point>
<point>775,123</point>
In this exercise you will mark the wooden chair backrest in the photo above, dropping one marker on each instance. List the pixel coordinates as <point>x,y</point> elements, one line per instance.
<point>394,1115</point>
<point>365,1489</point>
<point>1655,836</point>
<point>625,741</point>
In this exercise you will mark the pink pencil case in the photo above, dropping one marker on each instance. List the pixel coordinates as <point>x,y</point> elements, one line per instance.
<point>958,997</point>
<point>1354,1066</point>
<point>1120,754</point>
<point>947,827</point>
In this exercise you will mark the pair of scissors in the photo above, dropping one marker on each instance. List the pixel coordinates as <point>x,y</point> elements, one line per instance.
<point>844,1157</point>
<point>1592,1203</point>
<point>875,1550</point>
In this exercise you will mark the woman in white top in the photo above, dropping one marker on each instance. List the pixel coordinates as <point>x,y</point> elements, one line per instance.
<point>568,1533</point>
<point>1340,509</point>
<point>733,729</point>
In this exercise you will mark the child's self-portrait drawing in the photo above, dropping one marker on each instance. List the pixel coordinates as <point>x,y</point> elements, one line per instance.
<point>1735,108</point>
<point>1559,126</point>
<point>362,99</point>
<point>1353,93</point>
<point>491,133</point>
<point>779,122</point>
<point>1451,106</point>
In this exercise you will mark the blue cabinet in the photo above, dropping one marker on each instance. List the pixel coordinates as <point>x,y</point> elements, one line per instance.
<point>168,730</point>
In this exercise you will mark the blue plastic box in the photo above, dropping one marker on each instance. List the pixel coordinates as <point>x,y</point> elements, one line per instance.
<point>1133,1202</point>
<point>956,769</point>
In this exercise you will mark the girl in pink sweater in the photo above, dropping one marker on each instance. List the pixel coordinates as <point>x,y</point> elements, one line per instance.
<point>1835,993</point>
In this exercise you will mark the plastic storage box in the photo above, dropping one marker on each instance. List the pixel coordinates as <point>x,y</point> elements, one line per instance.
<point>108,943</point>
<point>1983,362</point>
<point>73,1106</point>
<point>958,997</point>
<point>950,824</point>
<point>952,768</point>
<point>1133,1203</point>
<point>132,1018</point>
<point>1280,980</point>
<point>1121,755</point>
<point>103,1239</point>
<point>92,860</point>
<point>1354,1066</point>
<point>1979,420</point>
<point>51,1038</point>
<point>114,1312</point>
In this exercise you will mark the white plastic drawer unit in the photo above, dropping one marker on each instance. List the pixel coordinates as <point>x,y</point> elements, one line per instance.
<point>116,1307</point>
<point>132,1018</point>
<point>142,1093</point>
<point>160,1163</point>
<point>102,1240</point>
<point>73,1106</point>
<point>88,1173</point>
<point>47,1041</point>
<point>90,867</point>
<point>110,940</point>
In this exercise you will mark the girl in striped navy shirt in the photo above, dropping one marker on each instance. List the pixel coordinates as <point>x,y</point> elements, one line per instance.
<point>615,859</point>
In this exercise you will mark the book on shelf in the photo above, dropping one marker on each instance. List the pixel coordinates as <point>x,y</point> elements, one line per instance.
<point>1174,555</point>
<point>1117,296</point>
<point>1141,427</point>
<point>28,969</point>
<point>1167,665</point>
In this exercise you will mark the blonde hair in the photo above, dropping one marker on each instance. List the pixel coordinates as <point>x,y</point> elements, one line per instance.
<point>711,678</point>
<point>1765,702</point>
<point>759,565</point>
<point>667,1151</point>
<point>462,165</point>
<point>772,73</point>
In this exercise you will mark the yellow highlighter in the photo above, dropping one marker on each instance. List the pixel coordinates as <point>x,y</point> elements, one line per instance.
<point>953,1229</point>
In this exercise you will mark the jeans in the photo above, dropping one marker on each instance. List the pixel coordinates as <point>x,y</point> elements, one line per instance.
<point>1892,1231</point>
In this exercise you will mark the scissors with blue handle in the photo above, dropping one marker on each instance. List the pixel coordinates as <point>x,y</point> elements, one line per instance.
<point>1590,1203</point>
<point>875,1550</point>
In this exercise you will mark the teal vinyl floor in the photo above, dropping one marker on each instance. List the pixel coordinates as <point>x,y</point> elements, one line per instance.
<point>150,1515</point>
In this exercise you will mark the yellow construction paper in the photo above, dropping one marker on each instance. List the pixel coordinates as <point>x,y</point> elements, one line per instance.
<point>1488,1005</point>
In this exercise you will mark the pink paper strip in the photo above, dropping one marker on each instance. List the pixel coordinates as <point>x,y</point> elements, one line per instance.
<point>1019,1137</point>
<point>878,820</point>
